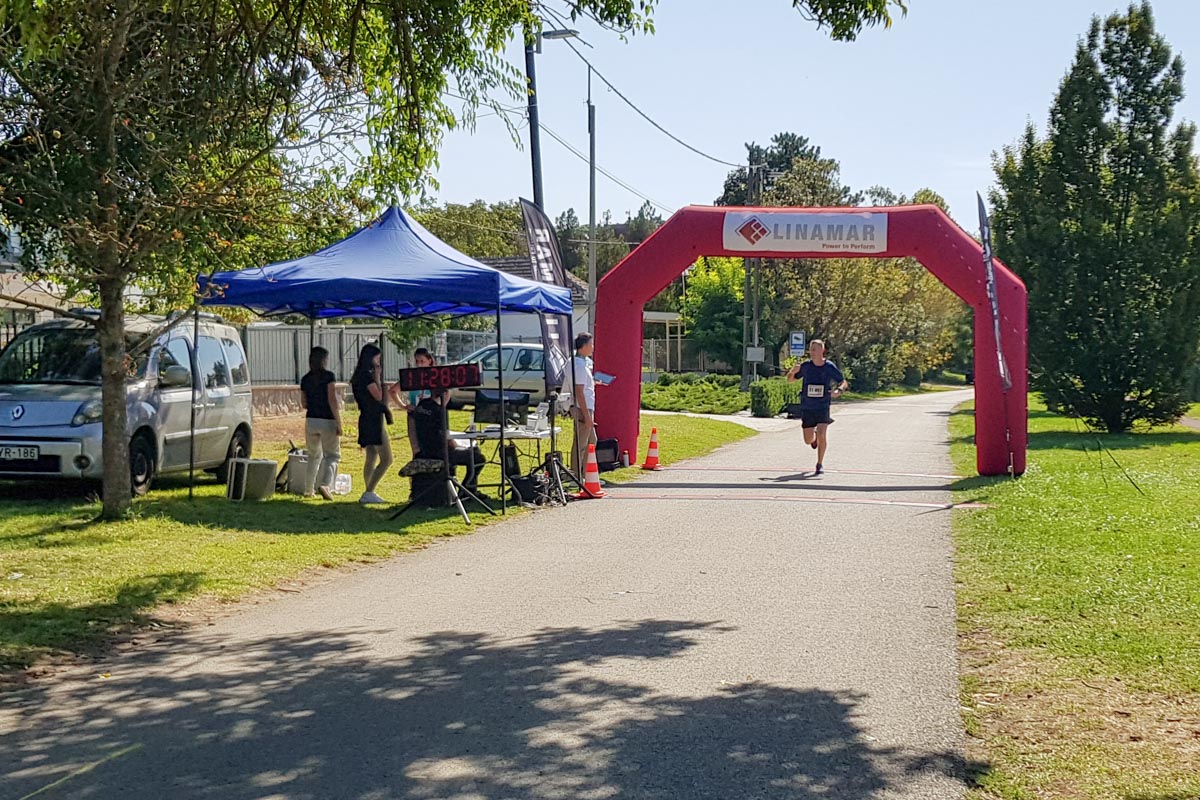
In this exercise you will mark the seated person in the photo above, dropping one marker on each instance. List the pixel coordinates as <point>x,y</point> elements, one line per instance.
<point>429,422</point>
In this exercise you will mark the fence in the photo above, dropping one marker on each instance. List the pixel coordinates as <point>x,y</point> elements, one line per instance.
<point>677,355</point>
<point>278,354</point>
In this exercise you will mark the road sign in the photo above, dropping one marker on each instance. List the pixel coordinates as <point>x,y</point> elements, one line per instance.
<point>756,355</point>
<point>797,344</point>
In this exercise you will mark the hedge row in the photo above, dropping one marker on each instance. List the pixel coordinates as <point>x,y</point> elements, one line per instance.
<point>770,396</point>
<point>698,397</point>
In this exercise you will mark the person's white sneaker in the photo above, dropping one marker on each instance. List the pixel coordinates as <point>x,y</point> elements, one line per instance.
<point>371,499</point>
<point>324,490</point>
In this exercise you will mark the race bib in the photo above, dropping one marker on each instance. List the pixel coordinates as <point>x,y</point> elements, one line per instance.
<point>816,390</point>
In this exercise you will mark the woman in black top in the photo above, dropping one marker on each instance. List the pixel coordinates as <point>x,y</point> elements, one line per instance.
<point>373,418</point>
<point>322,424</point>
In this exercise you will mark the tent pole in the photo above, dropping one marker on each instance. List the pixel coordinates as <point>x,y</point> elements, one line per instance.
<point>503,414</point>
<point>192,430</point>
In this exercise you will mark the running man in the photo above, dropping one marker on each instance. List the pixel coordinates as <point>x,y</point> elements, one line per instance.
<point>822,382</point>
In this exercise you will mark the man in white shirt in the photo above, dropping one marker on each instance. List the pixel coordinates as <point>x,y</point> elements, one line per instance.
<point>583,405</point>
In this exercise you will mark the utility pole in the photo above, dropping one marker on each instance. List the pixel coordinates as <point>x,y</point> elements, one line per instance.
<point>535,133</point>
<point>756,263</point>
<point>592,279</point>
<point>749,304</point>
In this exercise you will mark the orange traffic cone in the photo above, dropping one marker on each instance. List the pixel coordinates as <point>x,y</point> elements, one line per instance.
<point>591,477</point>
<point>652,453</point>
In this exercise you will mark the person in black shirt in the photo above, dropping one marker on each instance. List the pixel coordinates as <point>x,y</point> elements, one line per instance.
<point>429,423</point>
<point>373,418</point>
<point>822,383</point>
<point>322,424</point>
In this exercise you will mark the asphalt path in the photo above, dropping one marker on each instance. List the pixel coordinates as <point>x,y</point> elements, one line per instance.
<point>733,627</point>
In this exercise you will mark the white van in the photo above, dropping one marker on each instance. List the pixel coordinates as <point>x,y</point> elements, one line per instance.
<point>50,405</point>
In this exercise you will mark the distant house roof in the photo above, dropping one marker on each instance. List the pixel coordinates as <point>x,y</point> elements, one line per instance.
<point>522,267</point>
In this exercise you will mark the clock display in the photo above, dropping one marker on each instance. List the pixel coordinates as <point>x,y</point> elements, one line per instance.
<point>449,376</point>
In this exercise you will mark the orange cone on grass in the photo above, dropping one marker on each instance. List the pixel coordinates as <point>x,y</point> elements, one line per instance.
<point>652,452</point>
<point>591,477</point>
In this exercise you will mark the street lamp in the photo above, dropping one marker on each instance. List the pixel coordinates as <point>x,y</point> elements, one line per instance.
<point>533,45</point>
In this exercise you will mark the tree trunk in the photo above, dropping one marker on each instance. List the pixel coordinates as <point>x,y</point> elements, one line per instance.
<point>111,334</point>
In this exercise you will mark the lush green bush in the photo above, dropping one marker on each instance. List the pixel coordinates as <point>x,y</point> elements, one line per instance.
<point>672,378</point>
<point>725,381</point>
<point>693,394</point>
<point>768,397</point>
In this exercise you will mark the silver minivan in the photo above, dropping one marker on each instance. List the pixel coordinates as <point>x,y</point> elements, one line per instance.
<point>524,371</point>
<point>50,405</point>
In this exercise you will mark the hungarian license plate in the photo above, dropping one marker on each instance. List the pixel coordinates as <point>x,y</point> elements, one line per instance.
<point>18,453</point>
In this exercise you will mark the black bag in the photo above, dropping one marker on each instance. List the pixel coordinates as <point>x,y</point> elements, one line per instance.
<point>283,478</point>
<point>608,455</point>
<point>533,489</point>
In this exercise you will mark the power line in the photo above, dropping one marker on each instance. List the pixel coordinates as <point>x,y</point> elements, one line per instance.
<point>605,172</point>
<point>456,221</point>
<point>633,105</point>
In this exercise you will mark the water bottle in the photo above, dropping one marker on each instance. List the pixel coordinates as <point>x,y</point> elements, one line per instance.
<point>624,458</point>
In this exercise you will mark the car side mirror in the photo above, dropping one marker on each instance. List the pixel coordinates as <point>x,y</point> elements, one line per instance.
<point>176,377</point>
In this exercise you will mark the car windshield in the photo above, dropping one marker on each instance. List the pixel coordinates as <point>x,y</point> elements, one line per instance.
<point>59,355</point>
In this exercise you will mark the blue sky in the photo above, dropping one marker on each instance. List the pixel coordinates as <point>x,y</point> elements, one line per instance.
<point>925,103</point>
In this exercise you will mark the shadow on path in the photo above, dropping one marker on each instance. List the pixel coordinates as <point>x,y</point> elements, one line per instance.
<point>463,715</point>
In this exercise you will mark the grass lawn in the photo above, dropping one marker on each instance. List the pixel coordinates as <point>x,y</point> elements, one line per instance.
<point>68,583</point>
<point>1079,614</point>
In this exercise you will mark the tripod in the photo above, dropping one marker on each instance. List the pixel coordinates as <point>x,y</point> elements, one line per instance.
<point>453,488</point>
<point>555,469</point>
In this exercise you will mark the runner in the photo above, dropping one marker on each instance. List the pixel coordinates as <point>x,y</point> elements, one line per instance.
<point>823,382</point>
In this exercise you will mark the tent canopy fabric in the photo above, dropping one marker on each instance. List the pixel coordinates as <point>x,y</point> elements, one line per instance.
<point>392,268</point>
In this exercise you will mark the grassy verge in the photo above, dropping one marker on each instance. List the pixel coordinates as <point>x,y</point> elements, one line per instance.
<point>1079,610</point>
<point>68,583</point>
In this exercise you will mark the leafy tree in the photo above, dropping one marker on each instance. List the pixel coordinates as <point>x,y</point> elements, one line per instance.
<point>779,156</point>
<point>639,226</point>
<point>712,307</point>
<point>137,130</point>
<point>1102,220</point>
<point>478,229</point>
<point>140,131</point>
<point>570,230</point>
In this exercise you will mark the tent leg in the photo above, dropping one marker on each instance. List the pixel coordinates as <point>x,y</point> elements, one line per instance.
<point>503,414</point>
<point>195,400</point>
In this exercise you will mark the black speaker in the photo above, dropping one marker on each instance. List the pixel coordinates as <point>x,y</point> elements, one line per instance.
<point>430,490</point>
<point>608,455</point>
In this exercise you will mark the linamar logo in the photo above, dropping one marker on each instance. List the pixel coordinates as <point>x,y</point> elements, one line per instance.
<point>753,231</point>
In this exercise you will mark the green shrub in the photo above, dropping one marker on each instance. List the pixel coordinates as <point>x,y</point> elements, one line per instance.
<point>697,397</point>
<point>769,397</point>
<point>724,381</point>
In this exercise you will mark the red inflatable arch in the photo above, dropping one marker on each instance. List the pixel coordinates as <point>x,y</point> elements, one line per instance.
<point>922,232</point>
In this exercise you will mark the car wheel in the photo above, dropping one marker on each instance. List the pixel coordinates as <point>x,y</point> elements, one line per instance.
<point>239,447</point>
<point>141,465</point>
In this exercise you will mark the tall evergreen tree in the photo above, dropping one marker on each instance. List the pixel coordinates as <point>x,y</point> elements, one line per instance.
<point>1102,220</point>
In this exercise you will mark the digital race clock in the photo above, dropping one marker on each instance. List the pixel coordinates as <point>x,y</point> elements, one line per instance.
<point>450,376</point>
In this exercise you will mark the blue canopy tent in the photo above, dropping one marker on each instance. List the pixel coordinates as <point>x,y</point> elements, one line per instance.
<point>392,268</point>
